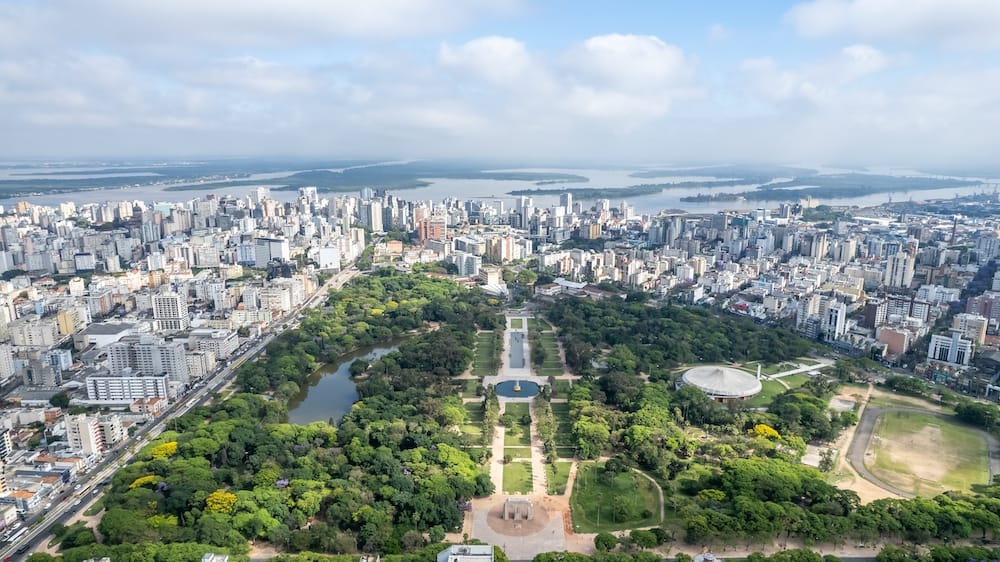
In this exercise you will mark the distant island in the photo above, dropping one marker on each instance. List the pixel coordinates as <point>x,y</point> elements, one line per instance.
<point>596,192</point>
<point>831,187</point>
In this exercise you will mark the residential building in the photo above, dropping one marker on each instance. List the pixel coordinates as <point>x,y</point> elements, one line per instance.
<point>84,434</point>
<point>951,349</point>
<point>127,389</point>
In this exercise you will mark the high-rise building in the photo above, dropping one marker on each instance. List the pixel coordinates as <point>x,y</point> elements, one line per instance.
<point>899,270</point>
<point>171,312</point>
<point>127,389</point>
<point>148,355</point>
<point>84,434</point>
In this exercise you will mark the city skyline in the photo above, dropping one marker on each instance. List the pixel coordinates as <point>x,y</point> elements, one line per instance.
<point>864,82</point>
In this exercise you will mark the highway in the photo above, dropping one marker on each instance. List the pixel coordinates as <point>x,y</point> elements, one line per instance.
<point>64,510</point>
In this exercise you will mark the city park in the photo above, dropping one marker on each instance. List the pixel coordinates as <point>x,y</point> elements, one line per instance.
<point>548,499</point>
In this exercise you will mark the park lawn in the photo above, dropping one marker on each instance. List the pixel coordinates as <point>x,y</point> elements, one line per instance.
<point>557,475</point>
<point>549,371</point>
<point>522,439</point>
<point>769,391</point>
<point>517,409</point>
<point>517,453</point>
<point>561,388</point>
<point>474,412</point>
<point>902,440</point>
<point>627,502</point>
<point>565,452</point>
<point>560,410</point>
<point>538,324</point>
<point>517,478</point>
<point>796,380</point>
<point>564,435</point>
<point>469,388</point>
<point>765,368</point>
<point>472,429</point>
<point>517,323</point>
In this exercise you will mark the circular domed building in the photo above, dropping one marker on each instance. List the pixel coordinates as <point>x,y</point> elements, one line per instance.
<point>721,383</point>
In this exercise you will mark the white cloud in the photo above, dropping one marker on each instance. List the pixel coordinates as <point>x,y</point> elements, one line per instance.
<point>499,60</point>
<point>951,23</point>
<point>821,82</point>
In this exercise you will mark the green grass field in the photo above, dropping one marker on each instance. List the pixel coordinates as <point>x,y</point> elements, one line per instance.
<point>517,409</point>
<point>469,388</point>
<point>561,388</point>
<point>772,388</point>
<point>561,411</point>
<point>927,454</point>
<point>538,324</point>
<point>474,412</point>
<point>517,452</point>
<point>517,478</point>
<point>522,438</point>
<point>557,475</point>
<point>484,355</point>
<point>769,390</point>
<point>565,452</point>
<point>597,505</point>
<point>517,323</point>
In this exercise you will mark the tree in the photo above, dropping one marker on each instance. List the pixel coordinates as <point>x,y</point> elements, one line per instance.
<point>644,539</point>
<point>605,541</point>
<point>60,400</point>
<point>220,501</point>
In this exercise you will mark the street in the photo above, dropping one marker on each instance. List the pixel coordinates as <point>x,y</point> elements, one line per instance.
<point>65,510</point>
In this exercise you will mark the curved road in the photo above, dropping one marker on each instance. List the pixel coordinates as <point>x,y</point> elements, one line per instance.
<point>866,428</point>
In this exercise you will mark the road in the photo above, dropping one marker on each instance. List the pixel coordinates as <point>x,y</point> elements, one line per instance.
<point>63,511</point>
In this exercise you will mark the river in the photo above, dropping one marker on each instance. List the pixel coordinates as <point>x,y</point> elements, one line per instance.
<point>441,188</point>
<point>331,392</point>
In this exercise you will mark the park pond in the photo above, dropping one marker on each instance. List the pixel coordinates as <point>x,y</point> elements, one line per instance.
<point>331,392</point>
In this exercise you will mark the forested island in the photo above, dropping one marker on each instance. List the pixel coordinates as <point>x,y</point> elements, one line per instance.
<point>596,192</point>
<point>832,186</point>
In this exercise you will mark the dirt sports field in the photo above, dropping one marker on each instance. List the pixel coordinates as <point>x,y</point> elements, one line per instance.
<point>925,453</point>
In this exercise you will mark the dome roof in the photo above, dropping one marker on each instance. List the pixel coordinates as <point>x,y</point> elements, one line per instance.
<point>722,382</point>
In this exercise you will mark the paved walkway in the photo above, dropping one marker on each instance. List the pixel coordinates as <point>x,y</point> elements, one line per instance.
<point>538,473</point>
<point>801,369</point>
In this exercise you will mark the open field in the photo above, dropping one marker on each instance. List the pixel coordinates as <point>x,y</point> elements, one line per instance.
<point>517,478</point>
<point>468,388</point>
<point>558,476</point>
<point>538,324</point>
<point>769,390</point>
<point>519,434</point>
<point>565,452</point>
<point>517,452</point>
<point>485,361</point>
<point>796,380</point>
<point>517,323</point>
<point>927,454</point>
<point>772,388</point>
<point>552,366</point>
<point>561,388</point>
<point>564,429</point>
<point>626,502</point>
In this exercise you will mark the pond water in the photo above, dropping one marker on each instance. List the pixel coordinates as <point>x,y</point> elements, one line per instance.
<point>507,389</point>
<point>331,392</point>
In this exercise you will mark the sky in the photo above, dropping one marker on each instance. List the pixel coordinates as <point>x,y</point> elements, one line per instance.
<point>911,83</point>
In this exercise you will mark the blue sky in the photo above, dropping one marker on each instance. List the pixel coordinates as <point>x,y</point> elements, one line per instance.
<point>862,82</point>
